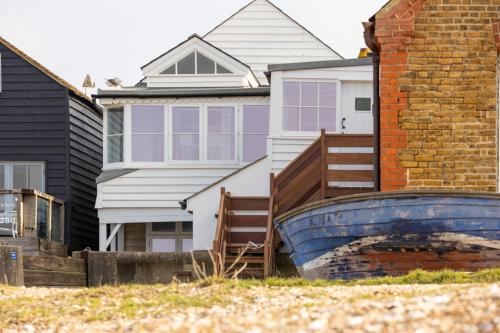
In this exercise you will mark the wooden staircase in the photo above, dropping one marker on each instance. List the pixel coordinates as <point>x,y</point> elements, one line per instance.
<point>333,165</point>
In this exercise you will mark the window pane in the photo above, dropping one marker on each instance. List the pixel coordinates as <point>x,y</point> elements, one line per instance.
<point>187,245</point>
<point>187,226</point>
<point>147,119</point>
<point>223,70</point>
<point>185,120</point>
<point>115,148</point>
<point>35,177</point>
<point>255,131</point>
<point>291,94</point>
<point>2,176</point>
<point>327,94</point>
<point>115,135</point>
<point>309,94</point>
<point>308,119</point>
<point>186,65</point>
<point>220,147</point>
<point>221,133</point>
<point>256,119</point>
<point>163,245</point>
<point>254,147</point>
<point>56,221</point>
<point>170,70</point>
<point>185,133</point>
<point>186,147</point>
<point>20,176</point>
<point>147,133</point>
<point>163,227</point>
<point>205,65</point>
<point>148,147</point>
<point>42,217</point>
<point>115,121</point>
<point>327,119</point>
<point>291,118</point>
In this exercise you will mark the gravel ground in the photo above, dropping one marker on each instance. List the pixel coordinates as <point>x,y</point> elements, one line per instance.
<point>223,308</point>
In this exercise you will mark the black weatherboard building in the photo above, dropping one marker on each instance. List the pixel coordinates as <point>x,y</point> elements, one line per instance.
<point>50,140</point>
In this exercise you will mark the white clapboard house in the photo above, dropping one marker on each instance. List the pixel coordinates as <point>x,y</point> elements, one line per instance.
<point>224,109</point>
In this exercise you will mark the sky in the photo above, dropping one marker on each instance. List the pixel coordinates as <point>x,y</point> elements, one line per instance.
<point>114,38</point>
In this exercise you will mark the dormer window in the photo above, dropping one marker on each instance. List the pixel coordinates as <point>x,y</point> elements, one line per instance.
<point>196,63</point>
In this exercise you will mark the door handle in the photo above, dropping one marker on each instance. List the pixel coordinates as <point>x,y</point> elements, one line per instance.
<point>343,123</point>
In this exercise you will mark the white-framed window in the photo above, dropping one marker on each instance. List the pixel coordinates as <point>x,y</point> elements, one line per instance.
<point>148,133</point>
<point>22,174</point>
<point>309,106</point>
<point>186,133</point>
<point>143,135</point>
<point>196,63</point>
<point>255,131</point>
<point>221,133</point>
<point>115,133</point>
<point>169,237</point>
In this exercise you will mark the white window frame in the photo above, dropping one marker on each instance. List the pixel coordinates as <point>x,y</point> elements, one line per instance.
<point>9,173</point>
<point>177,234</point>
<point>125,134</point>
<point>312,80</point>
<point>196,50</point>
<point>168,136</point>
<point>240,129</point>
<point>171,135</point>
<point>237,131</point>
<point>166,140</point>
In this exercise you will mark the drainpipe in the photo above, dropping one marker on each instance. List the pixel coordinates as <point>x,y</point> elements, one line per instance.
<point>369,35</point>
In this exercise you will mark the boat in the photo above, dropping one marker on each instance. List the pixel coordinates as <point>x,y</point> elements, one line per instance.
<point>391,233</point>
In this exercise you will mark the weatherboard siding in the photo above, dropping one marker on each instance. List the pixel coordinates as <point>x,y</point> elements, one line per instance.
<point>260,34</point>
<point>286,149</point>
<point>85,159</point>
<point>158,188</point>
<point>33,119</point>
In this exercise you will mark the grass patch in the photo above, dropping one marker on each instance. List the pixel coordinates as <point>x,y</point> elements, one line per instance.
<point>417,276</point>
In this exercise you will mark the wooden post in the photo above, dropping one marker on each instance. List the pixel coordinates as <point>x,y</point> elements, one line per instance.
<point>323,165</point>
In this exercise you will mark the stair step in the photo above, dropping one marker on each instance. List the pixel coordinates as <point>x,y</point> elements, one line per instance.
<point>237,247</point>
<point>245,237</point>
<point>248,220</point>
<point>245,259</point>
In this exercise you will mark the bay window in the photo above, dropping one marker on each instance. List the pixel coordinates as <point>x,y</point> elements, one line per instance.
<point>221,133</point>
<point>255,131</point>
<point>115,135</point>
<point>148,133</point>
<point>140,134</point>
<point>309,106</point>
<point>185,133</point>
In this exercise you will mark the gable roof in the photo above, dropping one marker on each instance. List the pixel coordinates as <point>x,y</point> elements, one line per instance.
<point>260,34</point>
<point>281,11</point>
<point>202,40</point>
<point>46,71</point>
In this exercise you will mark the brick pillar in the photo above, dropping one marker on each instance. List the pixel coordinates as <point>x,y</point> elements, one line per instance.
<point>394,30</point>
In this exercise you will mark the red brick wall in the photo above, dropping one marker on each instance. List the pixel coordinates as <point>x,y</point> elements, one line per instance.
<point>393,34</point>
<point>438,118</point>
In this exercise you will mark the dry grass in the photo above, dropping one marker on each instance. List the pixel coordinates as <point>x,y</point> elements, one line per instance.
<point>225,305</point>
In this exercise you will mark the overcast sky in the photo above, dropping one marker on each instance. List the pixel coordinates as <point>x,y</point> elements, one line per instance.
<point>108,38</point>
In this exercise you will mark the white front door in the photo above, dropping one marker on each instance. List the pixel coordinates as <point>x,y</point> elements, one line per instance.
<point>357,103</point>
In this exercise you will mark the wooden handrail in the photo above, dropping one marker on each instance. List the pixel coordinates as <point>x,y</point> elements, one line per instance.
<point>269,242</point>
<point>220,233</point>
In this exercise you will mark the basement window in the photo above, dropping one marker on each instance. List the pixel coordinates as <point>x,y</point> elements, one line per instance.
<point>196,63</point>
<point>170,237</point>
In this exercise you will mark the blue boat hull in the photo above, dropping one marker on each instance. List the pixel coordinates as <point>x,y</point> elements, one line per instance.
<point>391,233</point>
